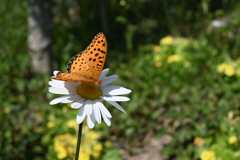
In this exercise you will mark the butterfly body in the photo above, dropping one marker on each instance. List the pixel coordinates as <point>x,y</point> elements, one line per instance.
<point>87,65</point>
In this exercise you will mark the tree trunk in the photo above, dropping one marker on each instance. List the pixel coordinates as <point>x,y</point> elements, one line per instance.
<point>40,37</point>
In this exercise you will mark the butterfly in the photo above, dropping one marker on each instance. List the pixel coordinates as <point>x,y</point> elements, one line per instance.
<point>87,65</point>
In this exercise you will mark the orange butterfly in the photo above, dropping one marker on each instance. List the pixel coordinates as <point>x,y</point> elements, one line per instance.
<point>87,65</point>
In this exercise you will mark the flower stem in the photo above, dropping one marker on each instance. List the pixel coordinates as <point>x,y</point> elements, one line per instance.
<point>79,141</point>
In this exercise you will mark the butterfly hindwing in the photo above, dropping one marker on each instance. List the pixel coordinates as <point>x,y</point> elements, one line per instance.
<point>74,77</point>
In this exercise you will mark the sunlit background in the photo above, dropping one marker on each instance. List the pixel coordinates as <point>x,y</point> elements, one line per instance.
<point>181,59</point>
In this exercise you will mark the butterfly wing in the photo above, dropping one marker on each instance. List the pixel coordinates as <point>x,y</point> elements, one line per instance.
<point>95,54</point>
<point>78,71</point>
<point>87,65</point>
<point>75,77</point>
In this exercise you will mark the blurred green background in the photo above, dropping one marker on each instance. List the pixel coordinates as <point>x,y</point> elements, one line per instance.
<point>179,58</point>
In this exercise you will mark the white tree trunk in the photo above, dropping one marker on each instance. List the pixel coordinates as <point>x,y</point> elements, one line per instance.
<point>40,37</point>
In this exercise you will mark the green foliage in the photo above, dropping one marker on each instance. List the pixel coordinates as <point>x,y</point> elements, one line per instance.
<point>17,118</point>
<point>186,86</point>
<point>178,87</point>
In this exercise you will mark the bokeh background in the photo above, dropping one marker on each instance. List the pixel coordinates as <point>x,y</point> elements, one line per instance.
<point>179,58</point>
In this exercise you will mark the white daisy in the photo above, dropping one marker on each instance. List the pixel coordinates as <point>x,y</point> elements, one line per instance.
<point>88,98</point>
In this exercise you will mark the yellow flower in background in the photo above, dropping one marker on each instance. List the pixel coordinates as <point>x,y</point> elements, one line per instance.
<point>92,136</point>
<point>229,71</point>
<point>174,58</point>
<point>156,48</point>
<point>208,155</point>
<point>51,124</point>
<point>157,60</point>
<point>226,69</point>
<point>73,142</point>
<point>71,123</point>
<point>198,141</point>
<point>83,156</point>
<point>168,40</point>
<point>97,147</point>
<point>62,153</point>
<point>96,155</point>
<point>70,150</point>
<point>87,150</point>
<point>221,67</point>
<point>60,150</point>
<point>64,145</point>
<point>232,139</point>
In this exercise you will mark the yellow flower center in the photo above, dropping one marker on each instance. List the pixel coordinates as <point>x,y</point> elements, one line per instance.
<point>89,91</point>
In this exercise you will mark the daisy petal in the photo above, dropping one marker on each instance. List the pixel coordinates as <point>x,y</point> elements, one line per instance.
<point>63,84</point>
<point>78,104</point>
<point>61,91</point>
<point>116,98</point>
<point>106,119</point>
<point>81,115</point>
<point>115,90</point>
<point>93,118</point>
<point>103,74</point>
<point>90,122</point>
<point>56,83</point>
<point>96,112</point>
<point>115,104</point>
<point>71,85</point>
<point>88,107</point>
<point>67,101</point>
<point>74,98</point>
<point>59,100</point>
<point>71,99</point>
<point>104,110</point>
<point>108,80</point>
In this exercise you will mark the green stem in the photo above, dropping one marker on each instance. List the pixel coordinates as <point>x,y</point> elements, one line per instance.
<point>79,141</point>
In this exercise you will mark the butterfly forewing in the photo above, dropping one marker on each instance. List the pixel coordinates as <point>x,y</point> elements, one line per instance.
<point>96,53</point>
<point>87,65</point>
